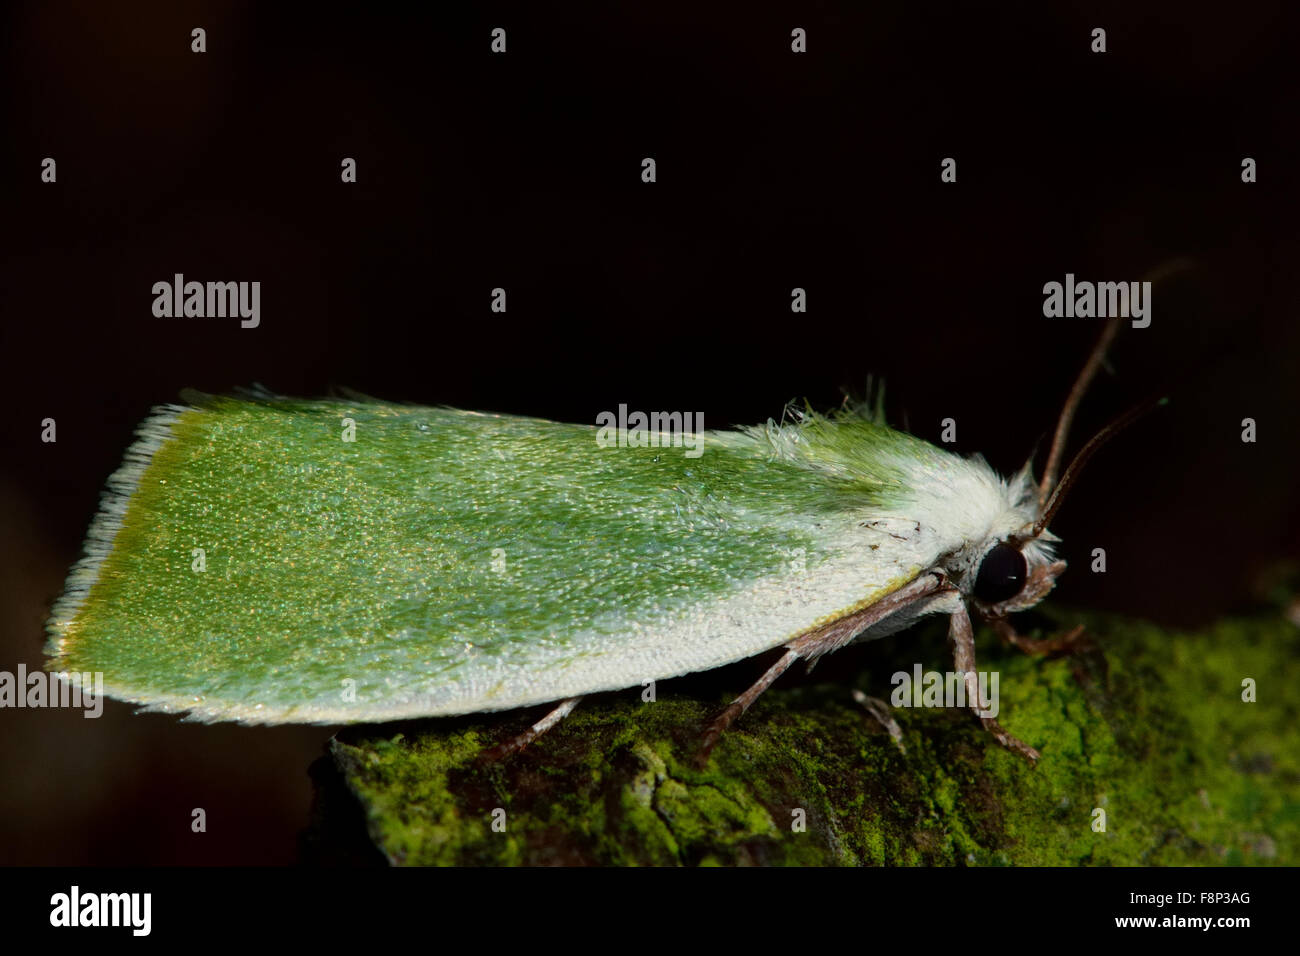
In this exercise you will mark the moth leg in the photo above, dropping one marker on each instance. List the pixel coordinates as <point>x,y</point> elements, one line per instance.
<point>519,742</point>
<point>878,709</point>
<point>823,640</point>
<point>961,637</point>
<point>1047,645</point>
<point>741,703</point>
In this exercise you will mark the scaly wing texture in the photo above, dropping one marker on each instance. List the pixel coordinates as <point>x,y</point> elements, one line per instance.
<point>450,562</point>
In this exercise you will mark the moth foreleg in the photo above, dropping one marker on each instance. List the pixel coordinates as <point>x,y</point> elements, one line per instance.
<point>519,742</point>
<point>961,637</point>
<point>1047,645</point>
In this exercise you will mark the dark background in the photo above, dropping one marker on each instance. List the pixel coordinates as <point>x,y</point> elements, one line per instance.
<point>775,170</point>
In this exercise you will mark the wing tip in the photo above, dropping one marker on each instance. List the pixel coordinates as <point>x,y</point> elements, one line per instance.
<point>154,432</point>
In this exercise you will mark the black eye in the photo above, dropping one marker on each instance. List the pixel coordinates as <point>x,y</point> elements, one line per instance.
<point>1001,576</point>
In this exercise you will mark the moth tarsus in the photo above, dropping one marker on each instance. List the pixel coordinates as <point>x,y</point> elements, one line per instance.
<point>732,711</point>
<point>878,709</point>
<point>518,742</point>
<point>1065,643</point>
<point>961,638</point>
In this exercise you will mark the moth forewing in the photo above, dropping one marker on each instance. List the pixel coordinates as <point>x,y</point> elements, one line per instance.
<point>277,561</point>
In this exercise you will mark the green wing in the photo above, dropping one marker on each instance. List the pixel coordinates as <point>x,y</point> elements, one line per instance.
<point>251,563</point>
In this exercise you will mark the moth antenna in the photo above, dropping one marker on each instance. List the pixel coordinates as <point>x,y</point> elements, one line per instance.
<point>1086,452</point>
<point>1086,375</point>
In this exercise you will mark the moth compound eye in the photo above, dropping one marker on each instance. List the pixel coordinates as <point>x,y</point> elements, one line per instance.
<point>1002,574</point>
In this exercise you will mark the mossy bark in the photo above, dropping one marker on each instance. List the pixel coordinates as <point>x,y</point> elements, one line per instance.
<point>1147,726</point>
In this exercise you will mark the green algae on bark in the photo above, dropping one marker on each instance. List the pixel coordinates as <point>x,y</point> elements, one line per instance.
<point>1142,727</point>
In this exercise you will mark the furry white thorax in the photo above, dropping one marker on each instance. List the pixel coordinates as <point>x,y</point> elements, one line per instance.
<point>953,516</point>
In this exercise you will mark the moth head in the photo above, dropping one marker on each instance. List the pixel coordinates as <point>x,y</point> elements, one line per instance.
<point>1015,566</point>
<point>1012,577</point>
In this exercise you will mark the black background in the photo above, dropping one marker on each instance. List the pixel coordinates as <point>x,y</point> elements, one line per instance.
<point>775,170</point>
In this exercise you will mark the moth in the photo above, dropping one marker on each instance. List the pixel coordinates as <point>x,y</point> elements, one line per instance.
<point>268,560</point>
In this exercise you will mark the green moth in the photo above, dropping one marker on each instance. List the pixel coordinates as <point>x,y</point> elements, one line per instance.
<point>270,560</point>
